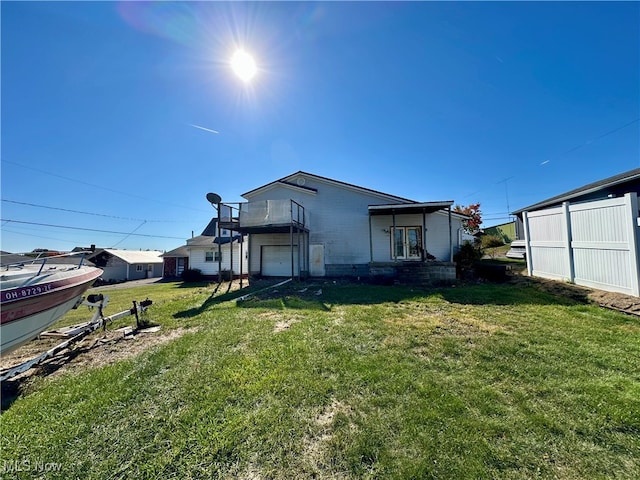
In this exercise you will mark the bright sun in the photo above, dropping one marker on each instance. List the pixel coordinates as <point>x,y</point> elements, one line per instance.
<point>243,65</point>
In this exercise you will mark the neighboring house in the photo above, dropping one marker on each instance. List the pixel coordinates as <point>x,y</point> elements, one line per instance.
<point>175,261</point>
<point>122,265</point>
<point>305,224</point>
<point>208,253</point>
<point>588,235</point>
<point>505,231</point>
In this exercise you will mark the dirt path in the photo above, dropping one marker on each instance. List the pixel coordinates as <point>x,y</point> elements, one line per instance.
<point>615,301</point>
<point>129,284</point>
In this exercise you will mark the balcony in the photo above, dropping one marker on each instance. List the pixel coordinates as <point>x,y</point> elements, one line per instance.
<point>266,216</point>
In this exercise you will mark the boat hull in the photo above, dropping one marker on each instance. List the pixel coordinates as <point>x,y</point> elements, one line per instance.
<point>16,334</point>
<point>29,308</point>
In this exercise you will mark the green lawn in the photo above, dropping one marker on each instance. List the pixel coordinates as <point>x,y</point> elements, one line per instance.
<point>488,381</point>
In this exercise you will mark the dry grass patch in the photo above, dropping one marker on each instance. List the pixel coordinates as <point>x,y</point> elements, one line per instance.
<point>316,446</point>
<point>284,325</point>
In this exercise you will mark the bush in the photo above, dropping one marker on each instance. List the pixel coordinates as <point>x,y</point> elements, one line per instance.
<point>468,254</point>
<point>491,241</point>
<point>465,259</point>
<point>192,275</point>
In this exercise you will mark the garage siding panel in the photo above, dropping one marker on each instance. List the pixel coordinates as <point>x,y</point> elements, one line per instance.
<point>276,260</point>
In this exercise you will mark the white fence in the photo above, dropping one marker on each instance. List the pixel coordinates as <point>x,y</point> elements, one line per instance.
<point>595,244</point>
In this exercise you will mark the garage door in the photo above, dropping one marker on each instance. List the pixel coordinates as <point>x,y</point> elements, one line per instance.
<point>276,260</point>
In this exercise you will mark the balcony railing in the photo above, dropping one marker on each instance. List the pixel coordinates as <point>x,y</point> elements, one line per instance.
<point>271,212</point>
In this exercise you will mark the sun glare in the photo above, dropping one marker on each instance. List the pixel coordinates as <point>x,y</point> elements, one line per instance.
<point>243,65</point>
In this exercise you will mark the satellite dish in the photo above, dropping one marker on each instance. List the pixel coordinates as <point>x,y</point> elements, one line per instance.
<point>213,198</point>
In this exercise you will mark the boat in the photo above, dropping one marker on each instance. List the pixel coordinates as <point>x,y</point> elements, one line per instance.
<point>33,296</point>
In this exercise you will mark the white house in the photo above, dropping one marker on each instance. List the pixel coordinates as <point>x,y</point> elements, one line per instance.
<point>306,224</point>
<point>209,253</point>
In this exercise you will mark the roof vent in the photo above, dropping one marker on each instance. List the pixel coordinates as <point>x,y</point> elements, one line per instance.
<point>300,181</point>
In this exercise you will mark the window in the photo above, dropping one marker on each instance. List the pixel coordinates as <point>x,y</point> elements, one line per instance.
<point>139,268</point>
<point>150,267</point>
<point>211,256</point>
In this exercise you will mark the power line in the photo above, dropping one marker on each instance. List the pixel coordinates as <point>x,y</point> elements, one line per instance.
<point>577,147</point>
<point>132,233</point>
<point>70,242</point>
<point>88,229</point>
<point>90,213</point>
<point>98,186</point>
<point>588,142</point>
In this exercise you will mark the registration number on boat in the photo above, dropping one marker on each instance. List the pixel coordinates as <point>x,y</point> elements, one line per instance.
<point>25,292</point>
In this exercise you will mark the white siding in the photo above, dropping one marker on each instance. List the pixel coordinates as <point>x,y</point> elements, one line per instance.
<point>197,259</point>
<point>436,239</point>
<point>338,219</point>
<point>438,234</point>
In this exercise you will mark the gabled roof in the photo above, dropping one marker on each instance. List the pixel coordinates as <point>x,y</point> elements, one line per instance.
<point>512,222</point>
<point>616,180</point>
<point>133,256</point>
<point>210,230</point>
<point>296,181</point>
<point>179,252</point>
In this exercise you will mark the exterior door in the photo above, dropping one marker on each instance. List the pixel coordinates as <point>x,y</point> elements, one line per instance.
<point>316,264</point>
<point>180,266</point>
<point>406,243</point>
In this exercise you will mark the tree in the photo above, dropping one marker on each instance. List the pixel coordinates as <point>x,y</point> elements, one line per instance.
<point>472,224</point>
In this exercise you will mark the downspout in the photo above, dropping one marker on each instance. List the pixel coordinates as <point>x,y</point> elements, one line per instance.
<point>299,252</point>
<point>249,258</point>
<point>291,244</point>
<point>424,236</point>
<point>219,247</point>
<point>527,240</point>
<point>393,236</point>
<point>231,255</point>
<point>450,238</point>
<point>370,240</point>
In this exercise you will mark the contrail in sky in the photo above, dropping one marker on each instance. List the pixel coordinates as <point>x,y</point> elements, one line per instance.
<point>545,162</point>
<point>203,128</point>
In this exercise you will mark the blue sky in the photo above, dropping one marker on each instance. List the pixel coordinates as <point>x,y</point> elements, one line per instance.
<point>501,103</point>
